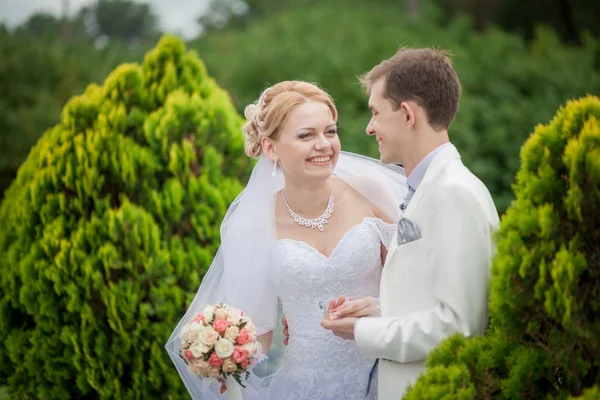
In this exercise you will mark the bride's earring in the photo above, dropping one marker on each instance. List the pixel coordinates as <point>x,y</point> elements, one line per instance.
<point>274,173</point>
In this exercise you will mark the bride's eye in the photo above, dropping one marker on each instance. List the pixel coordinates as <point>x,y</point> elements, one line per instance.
<point>303,135</point>
<point>332,132</point>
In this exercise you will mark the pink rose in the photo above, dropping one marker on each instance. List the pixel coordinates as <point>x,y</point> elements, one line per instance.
<point>250,326</point>
<point>243,337</point>
<point>199,318</point>
<point>188,355</point>
<point>245,363</point>
<point>220,325</point>
<point>215,360</point>
<point>239,354</point>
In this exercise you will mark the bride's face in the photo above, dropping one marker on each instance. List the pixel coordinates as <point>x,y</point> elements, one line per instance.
<point>308,145</point>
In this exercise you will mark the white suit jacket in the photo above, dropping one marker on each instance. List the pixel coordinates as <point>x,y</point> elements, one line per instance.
<point>437,285</point>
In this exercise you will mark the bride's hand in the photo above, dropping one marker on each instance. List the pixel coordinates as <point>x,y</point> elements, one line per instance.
<point>286,333</point>
<point>334,304</point>
<point>365,307</point>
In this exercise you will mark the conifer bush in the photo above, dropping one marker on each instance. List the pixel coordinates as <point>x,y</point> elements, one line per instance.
<point>544,336</point>
<point>109,227</point>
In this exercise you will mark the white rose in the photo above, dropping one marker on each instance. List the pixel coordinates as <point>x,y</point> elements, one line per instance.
<point>249,325</point>
<point>208,336</point>
<point>251,347</point>
<point>195,327</point>
<point>213,372</point>
<point>233,316</point>
<point>224,348</point>
<point>228,366</point>
<point>188,338</point>
<point>231,333</point>
<point>185,329</point>
<point>208,313</point>
<point>220,313</point>
<point>200,367</point>
<point>198,349</point>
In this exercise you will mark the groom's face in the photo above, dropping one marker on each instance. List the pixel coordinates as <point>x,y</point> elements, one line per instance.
<point>386,125</point>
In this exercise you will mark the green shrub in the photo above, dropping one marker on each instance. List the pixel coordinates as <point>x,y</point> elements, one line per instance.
<point>543,340</point>
<point>109,227</point>
<point>589,394</point>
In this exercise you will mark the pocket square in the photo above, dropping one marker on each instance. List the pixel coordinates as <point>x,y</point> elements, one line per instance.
<point>407,231</point>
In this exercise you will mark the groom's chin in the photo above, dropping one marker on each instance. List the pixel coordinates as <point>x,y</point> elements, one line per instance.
<point>384,159</point>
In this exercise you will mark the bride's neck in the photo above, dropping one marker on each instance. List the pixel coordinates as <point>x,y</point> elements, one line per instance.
<point>309,200</point>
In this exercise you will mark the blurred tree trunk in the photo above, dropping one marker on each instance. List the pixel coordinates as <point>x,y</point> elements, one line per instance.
<point>567,17</point>
<point>66,22</point>
<point>413,8</point>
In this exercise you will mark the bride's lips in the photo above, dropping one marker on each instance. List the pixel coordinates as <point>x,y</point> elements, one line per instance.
<point>320,160</point>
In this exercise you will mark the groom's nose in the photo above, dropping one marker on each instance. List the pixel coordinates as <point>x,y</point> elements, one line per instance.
<point>370,129</point>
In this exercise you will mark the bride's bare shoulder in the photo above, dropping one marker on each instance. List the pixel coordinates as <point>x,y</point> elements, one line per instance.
<point>356,185</point>
<point>351,191</point>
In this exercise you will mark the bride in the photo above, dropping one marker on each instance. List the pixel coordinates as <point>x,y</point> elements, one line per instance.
<point>312,224</point>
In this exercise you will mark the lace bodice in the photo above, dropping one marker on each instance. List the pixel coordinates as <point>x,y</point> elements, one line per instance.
<point>318,364</point>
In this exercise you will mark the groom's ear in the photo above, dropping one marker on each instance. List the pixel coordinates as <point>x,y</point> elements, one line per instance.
<point>268,147</point>
<point>408,110</point>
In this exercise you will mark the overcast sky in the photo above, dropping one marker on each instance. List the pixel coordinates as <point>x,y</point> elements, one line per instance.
<point>175,16</point>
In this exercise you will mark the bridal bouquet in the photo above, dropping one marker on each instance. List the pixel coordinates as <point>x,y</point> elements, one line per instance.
<point>220,342</point>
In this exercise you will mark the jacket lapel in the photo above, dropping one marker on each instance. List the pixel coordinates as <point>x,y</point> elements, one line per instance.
<point>435,168</point>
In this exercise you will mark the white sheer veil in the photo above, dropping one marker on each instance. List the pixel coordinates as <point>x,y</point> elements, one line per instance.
<point>244,275</point>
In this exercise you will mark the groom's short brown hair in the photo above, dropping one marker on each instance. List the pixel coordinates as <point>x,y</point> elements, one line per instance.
<point>425,76</point>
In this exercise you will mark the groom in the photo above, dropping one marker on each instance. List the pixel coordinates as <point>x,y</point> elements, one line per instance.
<point>435,279</point>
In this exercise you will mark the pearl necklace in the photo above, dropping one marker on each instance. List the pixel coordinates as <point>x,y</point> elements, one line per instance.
<point>316,222</point>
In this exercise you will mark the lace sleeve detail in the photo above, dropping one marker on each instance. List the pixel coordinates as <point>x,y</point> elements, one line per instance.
<point>386,231</point>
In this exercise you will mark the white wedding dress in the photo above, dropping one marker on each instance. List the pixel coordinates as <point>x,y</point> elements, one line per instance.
<point>252,270</point>
<point>317,364</point>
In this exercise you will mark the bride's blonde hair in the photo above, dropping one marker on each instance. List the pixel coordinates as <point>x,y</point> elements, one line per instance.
<point>266,115</point>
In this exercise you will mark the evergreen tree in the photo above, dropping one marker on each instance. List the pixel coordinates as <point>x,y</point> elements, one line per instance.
<point>109,227</point>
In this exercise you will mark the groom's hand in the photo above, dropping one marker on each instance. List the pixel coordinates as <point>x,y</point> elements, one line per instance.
<point>365,307</point>
<point>343,328</point>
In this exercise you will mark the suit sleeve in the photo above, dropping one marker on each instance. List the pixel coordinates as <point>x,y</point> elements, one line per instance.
<point>460,262</point>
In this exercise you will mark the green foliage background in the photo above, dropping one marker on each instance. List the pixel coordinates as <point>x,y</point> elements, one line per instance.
<point>113,217</point>
<point>109,227</point>
<point>509,85</point>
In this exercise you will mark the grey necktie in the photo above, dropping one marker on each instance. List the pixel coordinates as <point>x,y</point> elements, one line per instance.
<point>409,196</point>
